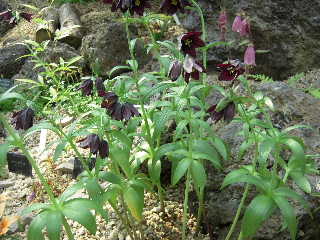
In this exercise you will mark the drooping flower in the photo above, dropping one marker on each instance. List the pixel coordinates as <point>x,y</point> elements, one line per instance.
<point>117,110</point>
<point>222,23</point>
<point>237,24</point>
<point>175,70</point>
<point>245,28</point>
<point>172,6</point>
<point>6,15</point>
<point>138,6</point>
<point>134,6</point>
<point>231,70</point>
<point>23,119</point>
<point>226,113</point>
<point>26,16</point>
<point>100,87</point>
<point>189,42</point>
<point>250,56</point>
<point>192,68</point>
<point>86,87</point>
<point>96,145</point>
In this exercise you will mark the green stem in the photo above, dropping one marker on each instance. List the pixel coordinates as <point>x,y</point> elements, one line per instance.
<point>185,206</point>
<point>33,163</point>
<point>68,229</point>
<point>124,222</point>
<point>200,209</point>
<point>235,220</point>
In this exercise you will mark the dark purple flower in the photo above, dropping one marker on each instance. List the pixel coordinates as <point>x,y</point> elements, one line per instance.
<point>26,16</point>
<point>190,41</point>
<point>6,15</point>
<point>96,146</point>
<point>192,68</point>
<point>134,6</point>
<point>222,23</point>
<point>250,56</point>
<point>100,87</point>
<point>110,100</point>
<point>129,111</point>
<point>23,119</point>
<point>86,87</point>
<point>175,70</point>
<point>237,24</point>
<point>172,6</point>
<point>227,113</point>
<point>231,70</point>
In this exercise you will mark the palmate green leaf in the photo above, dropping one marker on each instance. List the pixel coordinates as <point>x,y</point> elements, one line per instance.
<point>79,210</point>
<point>287,211</point>
<point>181,169</point>
<point>36,226</point>
<point>198,174</point>
<point>301,180</point>
<point>260,208</point>
<point>135,201</point>
<point>54,222</point>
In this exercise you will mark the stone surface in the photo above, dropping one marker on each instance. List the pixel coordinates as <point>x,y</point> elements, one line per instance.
<point>9,65</point>
<point>108,47</point>
<point>6,184</point>
<point>290,30</point>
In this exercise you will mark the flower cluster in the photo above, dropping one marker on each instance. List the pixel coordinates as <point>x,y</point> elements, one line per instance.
<point>96,145</point>
<point>227,113</point>
<point>241,26</point>
<point>231,70</point>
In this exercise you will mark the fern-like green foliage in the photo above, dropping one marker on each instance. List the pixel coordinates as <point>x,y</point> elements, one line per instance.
<point>295,78</point>
<point>261,77</point>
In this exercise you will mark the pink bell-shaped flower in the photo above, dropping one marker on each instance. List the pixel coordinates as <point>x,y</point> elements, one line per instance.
<point>245,28</point>
<point>222,23</point>
<point>250,56</point>
<point>237,24</point>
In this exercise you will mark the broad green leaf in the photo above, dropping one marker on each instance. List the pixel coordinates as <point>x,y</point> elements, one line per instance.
<point>288,129</point>
<point>71,191</point>
<point>181,169</point>
<point>301,180</point>
<point>288,193</point>
<point>287,211</point>
<point>79,211</point>
<point>36,226</point>
<point>11,95</point>
<point>155,170</point>
<point>260,208</point>
<point>160,120</point>
<point>198,174</point>
<point>157,89</point>
<point>35,207</point>
<point>242,175</point>
<point>220,147</point>
<point>208,151</point>
<point>243,148</point>
<point>54,222</point>
<point>4,148</point>
<point>180,127</point>
<point>59,149</point>
<point>93,187</point>
<point>265,149</point>
<point>163,149</point>
<point>110,177</point>
<point>296,148</point>
<point>124,139</point>
<point>117,68</point>
<point>121,156</point>
<point>135,202</point>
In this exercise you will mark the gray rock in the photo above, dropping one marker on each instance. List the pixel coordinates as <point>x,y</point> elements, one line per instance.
<point>66,167</point>
<point>108,47</point>
<point>20,225</point>
<point>289,30</point>
<point>9,65</point>
<point>6,183</point>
